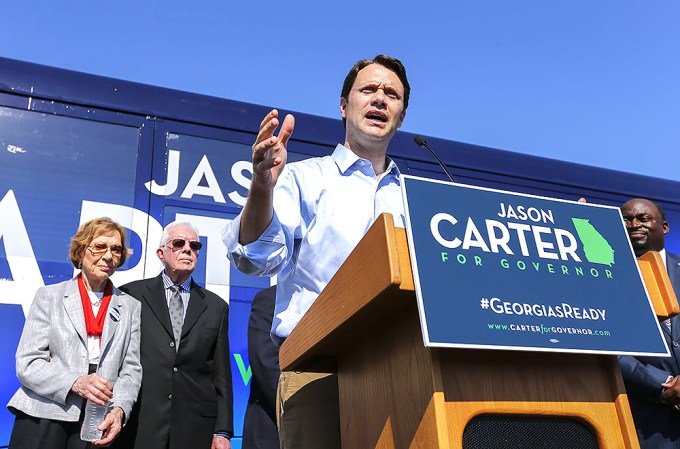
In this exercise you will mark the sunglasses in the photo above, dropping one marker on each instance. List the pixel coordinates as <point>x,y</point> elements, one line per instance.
<point>178,244</point>
<point>99,249</point>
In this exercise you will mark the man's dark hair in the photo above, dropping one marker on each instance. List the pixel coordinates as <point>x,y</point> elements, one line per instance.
<point>388,62</point>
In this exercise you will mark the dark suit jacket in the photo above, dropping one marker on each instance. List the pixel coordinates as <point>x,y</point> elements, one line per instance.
<point>658,425</point>
<point>259,426</point>
<point>186,396</point>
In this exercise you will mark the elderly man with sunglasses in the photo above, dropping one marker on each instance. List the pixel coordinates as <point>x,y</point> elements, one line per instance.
<point>186,395</point>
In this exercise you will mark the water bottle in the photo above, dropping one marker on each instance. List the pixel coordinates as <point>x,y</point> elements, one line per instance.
<point>94,415</point>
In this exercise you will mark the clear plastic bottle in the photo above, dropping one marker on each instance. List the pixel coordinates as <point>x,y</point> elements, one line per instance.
<point>94,415</point>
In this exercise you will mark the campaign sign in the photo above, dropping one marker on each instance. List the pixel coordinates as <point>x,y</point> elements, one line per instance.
<point>502,270</point>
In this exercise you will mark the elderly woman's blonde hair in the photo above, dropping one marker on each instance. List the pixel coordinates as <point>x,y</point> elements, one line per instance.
<point>88,231</point>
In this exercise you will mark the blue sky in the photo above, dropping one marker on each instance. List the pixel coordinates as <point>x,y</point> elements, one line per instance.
<point>593,82</point>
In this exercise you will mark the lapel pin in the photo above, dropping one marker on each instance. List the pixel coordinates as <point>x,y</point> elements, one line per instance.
<point>115,314</point>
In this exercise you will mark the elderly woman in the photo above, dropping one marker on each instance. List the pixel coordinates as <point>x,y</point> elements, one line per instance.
<point>80,342</point>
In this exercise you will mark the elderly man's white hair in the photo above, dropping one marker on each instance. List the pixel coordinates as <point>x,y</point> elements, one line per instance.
<point>165,237</point>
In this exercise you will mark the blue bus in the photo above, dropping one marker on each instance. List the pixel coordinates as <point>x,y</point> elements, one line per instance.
<point>75,146</point>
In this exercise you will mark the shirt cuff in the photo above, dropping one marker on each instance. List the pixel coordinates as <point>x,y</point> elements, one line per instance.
<point>264,256</point>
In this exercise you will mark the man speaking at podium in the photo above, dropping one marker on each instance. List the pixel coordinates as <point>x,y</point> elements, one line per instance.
<point>302,220</point>
<point>653,383</point>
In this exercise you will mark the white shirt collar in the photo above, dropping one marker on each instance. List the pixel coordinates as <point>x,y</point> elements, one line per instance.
<point>345,158</point>
<point>662,253</point>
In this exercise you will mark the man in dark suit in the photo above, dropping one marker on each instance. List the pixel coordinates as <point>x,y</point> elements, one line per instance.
<point>259,425</point>
<point>186,395</point>
<point>653,383</point>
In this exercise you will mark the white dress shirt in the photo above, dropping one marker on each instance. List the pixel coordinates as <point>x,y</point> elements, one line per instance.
<point>322,209</point>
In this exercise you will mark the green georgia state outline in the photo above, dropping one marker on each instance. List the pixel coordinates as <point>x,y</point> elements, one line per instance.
<point>596,248</point>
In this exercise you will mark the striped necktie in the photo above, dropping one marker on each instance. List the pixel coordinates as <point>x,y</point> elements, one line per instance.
<point>667,322</point>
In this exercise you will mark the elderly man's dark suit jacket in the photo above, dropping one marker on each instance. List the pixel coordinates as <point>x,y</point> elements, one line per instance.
<point>186,396</point>
<point>658,425</point>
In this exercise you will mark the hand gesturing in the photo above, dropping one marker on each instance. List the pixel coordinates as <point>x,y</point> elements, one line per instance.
<point>269,151</point>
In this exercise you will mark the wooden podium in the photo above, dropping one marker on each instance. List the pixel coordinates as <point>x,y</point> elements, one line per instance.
<point>397,393</point>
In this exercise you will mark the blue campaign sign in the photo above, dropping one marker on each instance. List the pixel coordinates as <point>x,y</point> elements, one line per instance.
<point>502,270</point>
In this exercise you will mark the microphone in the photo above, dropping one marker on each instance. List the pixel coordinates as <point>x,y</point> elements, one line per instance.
<point>421,143</point>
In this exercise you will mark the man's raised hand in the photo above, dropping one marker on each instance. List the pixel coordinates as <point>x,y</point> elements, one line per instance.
<point>269,158</point>
<point>269,150</point>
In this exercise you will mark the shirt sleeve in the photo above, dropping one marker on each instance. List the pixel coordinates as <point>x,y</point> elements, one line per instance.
<point>643,380</point>
<point>274,248</point>
<point>263,257</point>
